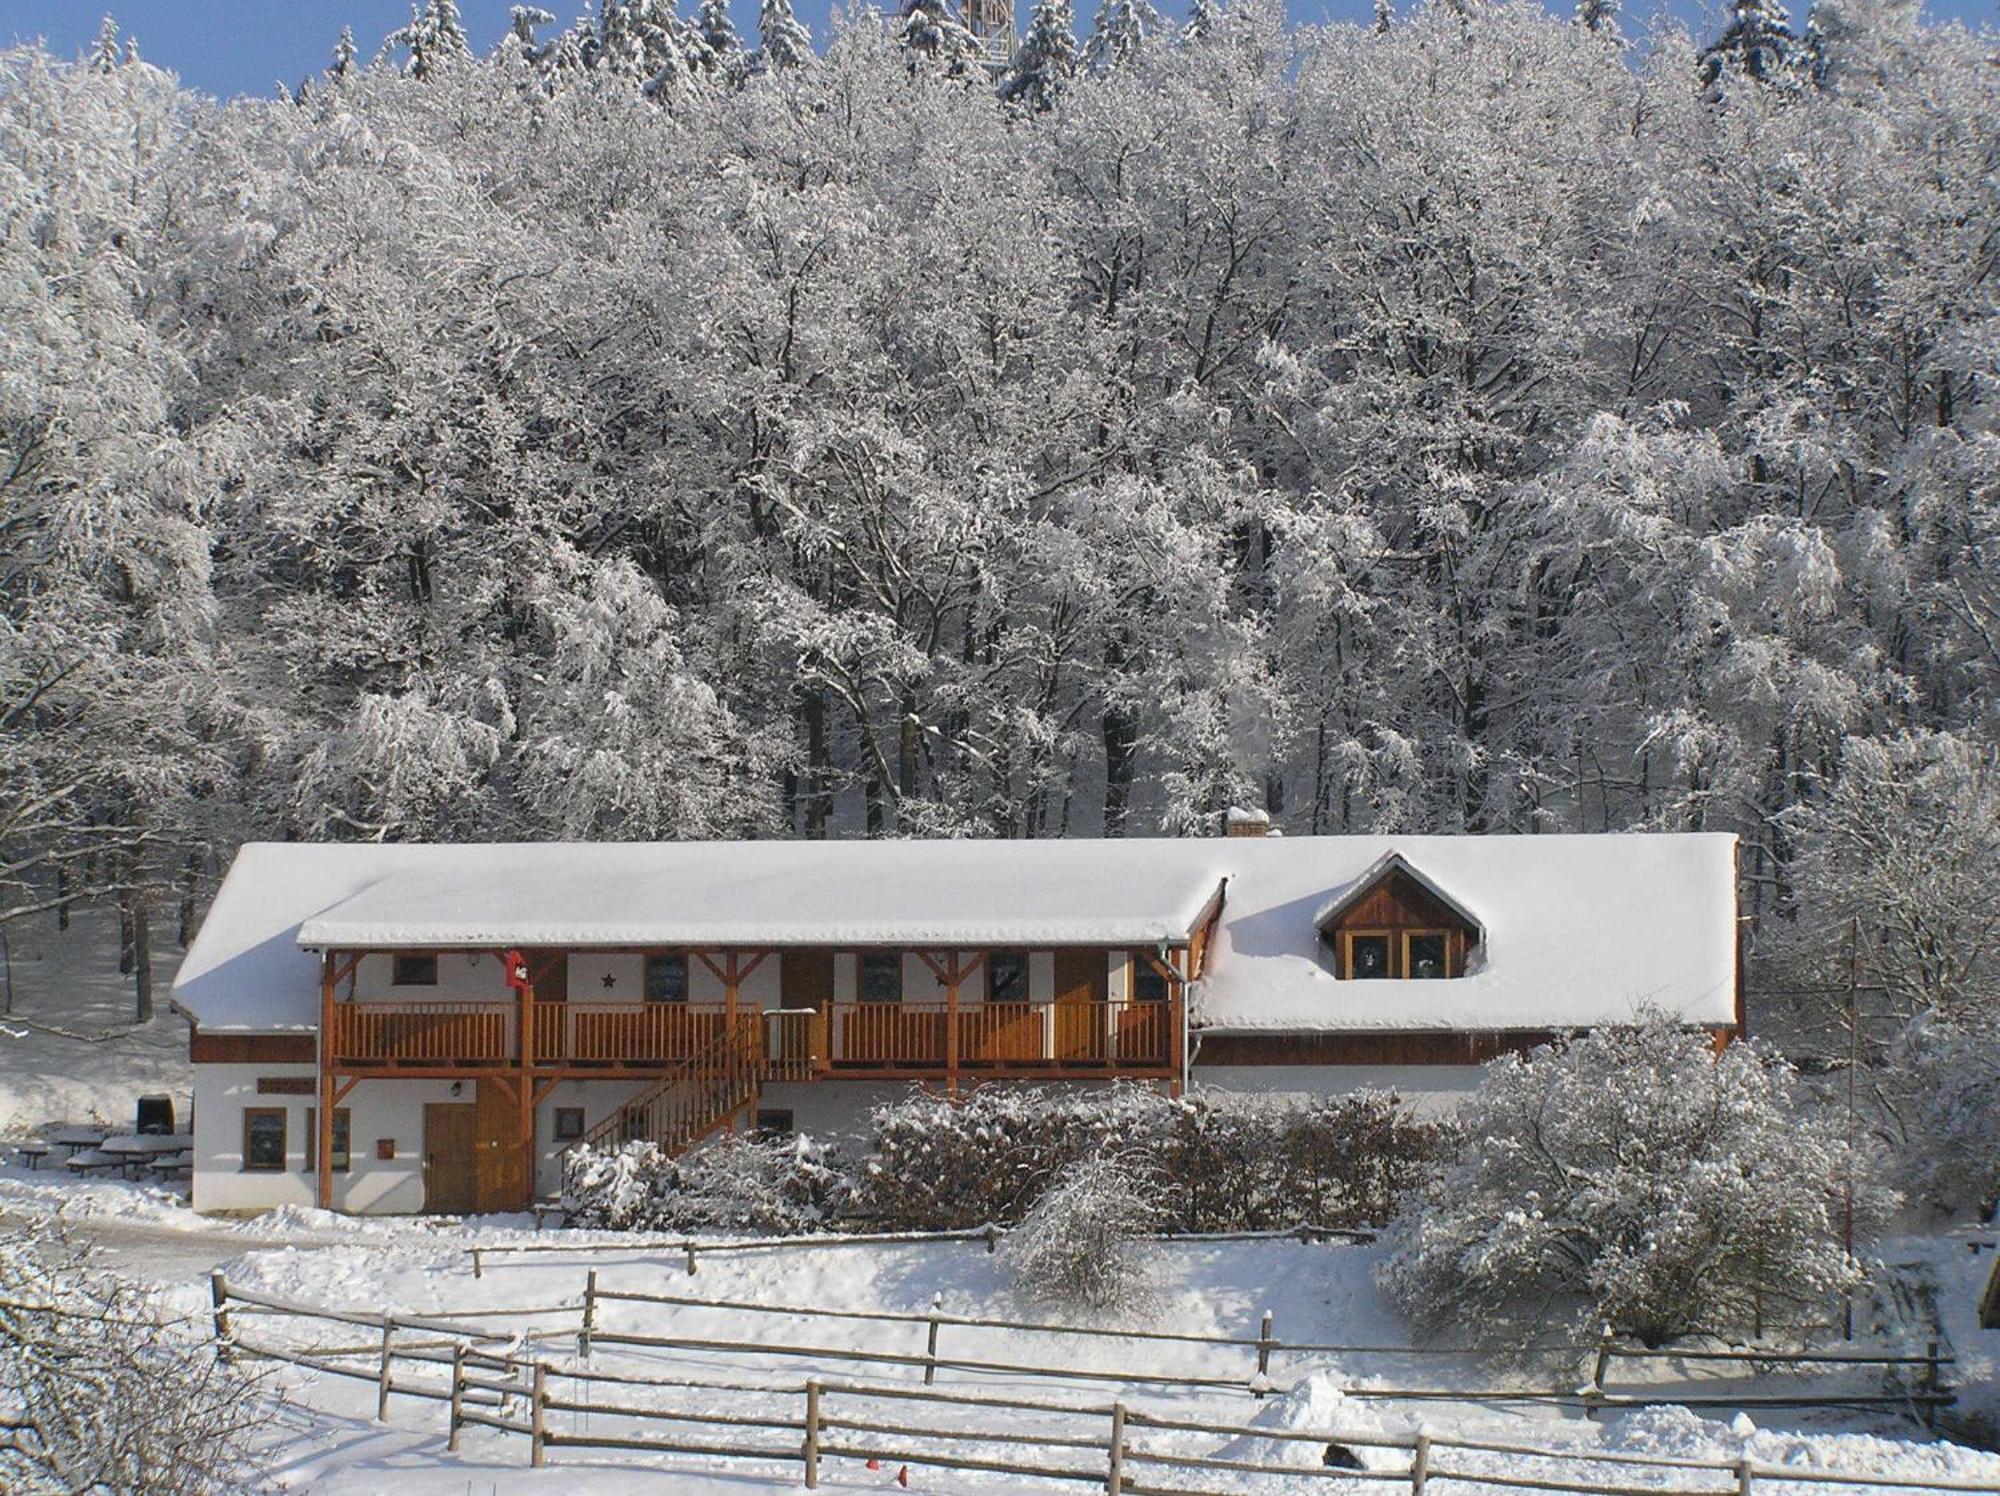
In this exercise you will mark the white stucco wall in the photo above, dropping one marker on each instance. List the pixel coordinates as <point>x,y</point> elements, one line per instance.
<point>463,976</point>
<point>1429,1088</point>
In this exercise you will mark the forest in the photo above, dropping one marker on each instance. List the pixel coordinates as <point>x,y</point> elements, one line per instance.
<point>1480,421</point>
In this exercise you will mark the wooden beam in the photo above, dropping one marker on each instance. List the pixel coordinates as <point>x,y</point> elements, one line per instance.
<point>324,1122</point>
<point>1172,976</point>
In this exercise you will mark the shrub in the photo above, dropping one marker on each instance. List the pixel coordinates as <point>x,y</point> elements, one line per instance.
<point>1081,1245</point>
<point>1942,1093</point>
<point>1636,1178</point>
<point>778,1187</point>
<point>103,1387</point>
<point>1223,1162</point>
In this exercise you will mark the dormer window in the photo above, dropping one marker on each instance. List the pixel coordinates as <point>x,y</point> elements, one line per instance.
<point>1394,924</point>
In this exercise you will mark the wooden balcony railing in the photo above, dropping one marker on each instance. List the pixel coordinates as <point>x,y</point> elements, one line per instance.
<point>798,1042</point>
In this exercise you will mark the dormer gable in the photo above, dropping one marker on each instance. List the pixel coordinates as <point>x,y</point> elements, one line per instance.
<point>1394,922</point>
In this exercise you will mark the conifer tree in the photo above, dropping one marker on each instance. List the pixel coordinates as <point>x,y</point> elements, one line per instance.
<point>1203,17</point>
<point>724,54</point>
<point>786,42</point>
<point>1121,31</point>
<point>343,54</point>
<point>1385,12</point>
<point>1045,62</point>
<point>932,34</point>
<point>104,52</point>
<point>435,38</point>
<point>1597,15</point>
<point>1757,42</point>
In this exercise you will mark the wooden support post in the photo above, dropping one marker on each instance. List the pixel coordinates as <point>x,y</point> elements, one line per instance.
<point>323,1123</point>
<point>992,1237</point>
<point>457,1393</point>
<point>382,1371</point>
<point>690,1257</point>
<point>931,1341</point>
<point>1114,1475</point>
<point>589,1316</point>
<point>1746,1476</point>
<point>1420,1464</point>
<point>1933,1385</point>
<point>218,1296</point>
<point>525,1098</point>
<point>810,1453</point>
<point>952,979</point>
<point>1264,1344</point>
<point>731,980</point>
<point>1593,1395</point>
<point>538,1414</point>
<point>478,1263</point>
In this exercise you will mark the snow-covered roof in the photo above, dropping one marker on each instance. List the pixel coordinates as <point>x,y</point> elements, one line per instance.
<point>1578,930</point>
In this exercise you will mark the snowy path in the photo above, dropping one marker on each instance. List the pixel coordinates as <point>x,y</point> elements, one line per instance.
<point>152,1252</point>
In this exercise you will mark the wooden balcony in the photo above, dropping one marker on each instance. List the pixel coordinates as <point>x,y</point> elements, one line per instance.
<point>838,1040</point>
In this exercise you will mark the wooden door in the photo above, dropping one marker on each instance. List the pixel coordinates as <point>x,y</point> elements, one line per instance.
<point>500,1171</point>
<point>1082,987</point>
<point>449,1131</point>
<point>805,980</point>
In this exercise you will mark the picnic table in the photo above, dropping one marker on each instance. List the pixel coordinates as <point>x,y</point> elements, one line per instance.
<point>32,1153</point>
<point>92,1161</point>
<point>76,1139</point>
<point>142,1150</point>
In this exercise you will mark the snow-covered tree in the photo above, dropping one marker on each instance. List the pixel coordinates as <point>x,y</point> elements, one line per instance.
<point>786,42</point>
<point>1045,62</point>
<point>434,38</point>
<point>105,1386</point>
<point>1082,1248</point>
<point>1757,43</point>
<point>1597,15</point>
<point>1636,1178</point>
<point>344,53</point>
<point>1203,17</point>
<point>933,34</point>
<point>1941,1102</point>
<point>1119,33</point>
<point>104,51</point>
<point>724,54</point>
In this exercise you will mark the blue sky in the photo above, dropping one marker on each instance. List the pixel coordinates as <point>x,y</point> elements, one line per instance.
<point>246,46</point>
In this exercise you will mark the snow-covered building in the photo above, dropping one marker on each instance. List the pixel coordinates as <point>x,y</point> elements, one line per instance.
<point>441,1022</point>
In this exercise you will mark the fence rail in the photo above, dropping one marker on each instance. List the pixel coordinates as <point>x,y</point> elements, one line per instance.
<point>512,1395</point>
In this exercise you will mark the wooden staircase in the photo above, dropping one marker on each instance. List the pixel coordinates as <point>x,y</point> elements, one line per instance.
<point>699,1095</point>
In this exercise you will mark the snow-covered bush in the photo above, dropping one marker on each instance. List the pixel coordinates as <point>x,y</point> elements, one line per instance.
<point>1634,1177</point>
<point>778,1187</point>
<point>1224,1162</point>
<point>1081,1246</point>
<point>103,1387</point>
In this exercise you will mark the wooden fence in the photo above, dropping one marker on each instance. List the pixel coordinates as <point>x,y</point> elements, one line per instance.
<point>692,1248</point>
<point>1116,1446</point>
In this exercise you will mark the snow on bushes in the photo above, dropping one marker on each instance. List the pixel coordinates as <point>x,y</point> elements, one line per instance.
<point>1941,1096</point>
<point>1222,1162</point>
<point>104,1387</point>
<point>1081,1245</point>
<point>1634,1177</point>
<point>779,1187</point>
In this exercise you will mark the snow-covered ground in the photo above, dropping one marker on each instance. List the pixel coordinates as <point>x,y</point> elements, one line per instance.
<point>69,1050</point>
<point>328,1441</point>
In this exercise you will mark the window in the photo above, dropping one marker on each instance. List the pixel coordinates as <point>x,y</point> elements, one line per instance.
<point>1149,983</point>
<point>569,1123</point>
<point>881,977</point>
<point>263,1139</point>
<point>1426,954</point>
<point>1368,956</point>
<point>341,1134</point>
<point>416,971</point>
<point>1007,977</point>
<point>667,979</point>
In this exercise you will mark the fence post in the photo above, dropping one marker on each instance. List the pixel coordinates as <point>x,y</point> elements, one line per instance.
<point>1420,1464</point>
<point>1746,1475</point>
<point>1114,1476</point>
<point>1933,1384</point>
<point>690,1257</point>
<point>382,1371</point>
<point>538,1415</point>
<point>811,1451</point>
<point>1264,1344</point>
<point>478,1264</point>
<point>589,1316</point>
<point>1593,1395</point>
<point>931,1341</point>
<point>457,1393</point>
<point>992,1234</point>
<point>218,1295</point>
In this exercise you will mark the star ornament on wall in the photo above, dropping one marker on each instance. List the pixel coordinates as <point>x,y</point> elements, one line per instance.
<point>610,981</point>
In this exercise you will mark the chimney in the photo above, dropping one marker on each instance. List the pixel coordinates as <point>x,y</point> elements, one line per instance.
<point>1237,821</point>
